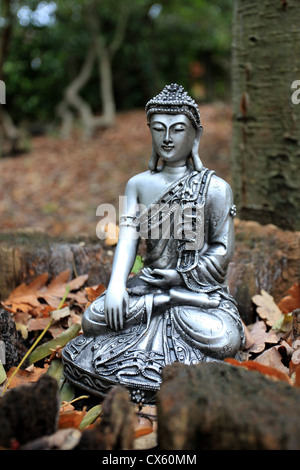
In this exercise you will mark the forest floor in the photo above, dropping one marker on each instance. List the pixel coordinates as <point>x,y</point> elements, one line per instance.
<point>57,186</point>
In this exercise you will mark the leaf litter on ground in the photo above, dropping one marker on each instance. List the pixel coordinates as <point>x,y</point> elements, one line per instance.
<point>271,346</point>
<point>268,341</point>
<point>39,314</point>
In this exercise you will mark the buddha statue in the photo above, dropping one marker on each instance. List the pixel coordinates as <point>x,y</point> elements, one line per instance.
<point>178,307</point>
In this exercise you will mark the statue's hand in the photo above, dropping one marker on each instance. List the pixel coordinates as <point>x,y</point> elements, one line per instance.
<point>183,296</point>
<point>116,307</point>
<point>162,278</point>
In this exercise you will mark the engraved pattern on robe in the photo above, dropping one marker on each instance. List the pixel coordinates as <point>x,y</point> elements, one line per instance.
<point>153,337</point>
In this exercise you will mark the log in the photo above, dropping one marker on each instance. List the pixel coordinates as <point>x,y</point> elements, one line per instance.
<point>23,256</point>
<point>266,257</point>
<point>28,412</point>
<point>115,431</point>
<point>12,348</point>
<point>218,406</point>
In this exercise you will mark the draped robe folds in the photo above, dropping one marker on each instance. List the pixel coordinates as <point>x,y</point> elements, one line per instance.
<point>189,228</point>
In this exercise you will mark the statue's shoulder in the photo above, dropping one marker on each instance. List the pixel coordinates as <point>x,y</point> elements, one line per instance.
<point>139,179</point>
<point>219,190</point>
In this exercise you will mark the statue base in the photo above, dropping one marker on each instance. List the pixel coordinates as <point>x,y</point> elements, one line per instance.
<point>79,371</point>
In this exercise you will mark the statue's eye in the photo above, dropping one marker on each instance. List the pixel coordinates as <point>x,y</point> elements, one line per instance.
<point>179,129</point>
<point>158,128</point>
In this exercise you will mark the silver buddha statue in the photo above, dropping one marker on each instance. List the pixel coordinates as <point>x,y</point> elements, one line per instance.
<point>178,307</point>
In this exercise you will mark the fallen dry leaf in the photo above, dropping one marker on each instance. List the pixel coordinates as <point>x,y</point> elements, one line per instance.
<point>70,419</point>
<point>266,308</point>
<point>272,358</point>
<point>265,369</point>
<point>32,374</point>
<point>55,290</point>
<point>291,302</point>
<point>28,296</point>
<point>260,337</point>
<point>37,323</point>
<point>94,292</point>
<point>297,376</point>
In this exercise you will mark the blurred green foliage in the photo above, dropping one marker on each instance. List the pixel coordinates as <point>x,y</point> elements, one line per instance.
<point>172,41</point>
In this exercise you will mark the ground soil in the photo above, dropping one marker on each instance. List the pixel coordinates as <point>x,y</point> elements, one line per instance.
<point>57,186</point>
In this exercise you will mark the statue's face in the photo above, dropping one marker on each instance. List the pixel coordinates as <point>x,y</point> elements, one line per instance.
<point>173,137</point>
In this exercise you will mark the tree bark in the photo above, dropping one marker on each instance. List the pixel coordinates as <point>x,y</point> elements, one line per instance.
<point>217,406</point>
<point>266,124</point>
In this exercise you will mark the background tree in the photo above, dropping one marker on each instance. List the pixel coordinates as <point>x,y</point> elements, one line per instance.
<point>53,61</point>
<point>266,123</point>
<point>101,50</point>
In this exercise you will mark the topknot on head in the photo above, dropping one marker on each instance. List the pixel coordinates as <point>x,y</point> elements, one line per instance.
<point>173,99</point>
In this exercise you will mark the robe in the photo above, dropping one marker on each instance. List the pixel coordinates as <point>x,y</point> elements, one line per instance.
<point>188,228</point>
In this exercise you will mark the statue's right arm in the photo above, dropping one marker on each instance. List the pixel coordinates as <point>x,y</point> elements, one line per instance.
<point>116,298</point>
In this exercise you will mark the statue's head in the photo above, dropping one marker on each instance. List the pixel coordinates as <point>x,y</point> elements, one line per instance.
<point>174,100</point>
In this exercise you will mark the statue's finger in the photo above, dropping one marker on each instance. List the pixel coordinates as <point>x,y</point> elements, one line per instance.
<point>107,316</point>
<point>126,305</point>
<point>154,282</point>
<point>121,317</point>
<point>108,319</point>
<point>161,272</point>
<point>116,318</point>
<point>148,279</point>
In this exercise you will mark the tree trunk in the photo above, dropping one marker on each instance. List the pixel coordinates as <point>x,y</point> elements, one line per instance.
<point>106,85</point>
<point>266,123</point>
<point>102,52</point>
<point>74,101</point>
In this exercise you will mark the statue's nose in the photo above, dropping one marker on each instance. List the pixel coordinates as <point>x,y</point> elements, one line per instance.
<point>167,136</point>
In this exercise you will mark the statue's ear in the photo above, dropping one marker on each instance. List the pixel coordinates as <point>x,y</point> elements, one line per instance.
<point>195,155</point>
<point>152,165</point>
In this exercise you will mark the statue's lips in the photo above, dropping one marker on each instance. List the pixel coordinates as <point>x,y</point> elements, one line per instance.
<point>167,147</point>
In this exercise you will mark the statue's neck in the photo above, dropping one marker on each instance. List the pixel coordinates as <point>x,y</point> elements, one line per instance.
<point>174,171</point>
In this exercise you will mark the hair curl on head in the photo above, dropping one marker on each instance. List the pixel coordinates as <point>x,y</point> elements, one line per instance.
<point>173,99</point>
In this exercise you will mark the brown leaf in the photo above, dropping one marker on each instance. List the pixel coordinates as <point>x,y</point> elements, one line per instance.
<point>143,431</point>
<point>266,308</point>
<point>70,419</point>
<point>32,374</point>
<point>26,297</point>
<point>273,359</point>
<point>260,336</point>
<point>94,292</point>
<point>291,302</point>
<point>37,323</point>
<point>54,292</point>
<point>297,377</point>
<point>265,369</point>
